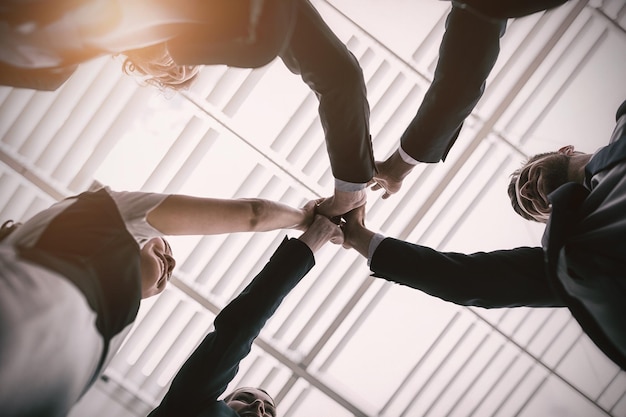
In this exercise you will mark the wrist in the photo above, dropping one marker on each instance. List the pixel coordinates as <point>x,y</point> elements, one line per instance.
<point>397,167</point>
<point>306,218</point>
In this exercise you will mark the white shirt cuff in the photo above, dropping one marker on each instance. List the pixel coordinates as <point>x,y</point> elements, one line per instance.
<point>349,186</point>
<point>406,157</point>
<point>376,239</point>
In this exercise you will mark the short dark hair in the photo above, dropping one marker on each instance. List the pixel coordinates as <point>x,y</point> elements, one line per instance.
<point>512,187</point>
<point>232,393</point>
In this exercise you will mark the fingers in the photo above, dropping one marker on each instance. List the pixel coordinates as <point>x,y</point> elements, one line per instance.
<point>337,237</point>
<point>337,240</point>
<point>330,229</point>
<point>389,188</point>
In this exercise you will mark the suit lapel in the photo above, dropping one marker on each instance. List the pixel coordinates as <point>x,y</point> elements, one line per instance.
<point>565,201</point>
<point>612,154</point>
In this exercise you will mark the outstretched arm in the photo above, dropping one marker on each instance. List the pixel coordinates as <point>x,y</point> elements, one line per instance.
<point>215,362</point>
<point>44,79</point>
<point>335,76</point>
<point>187,215</point>
<point>245,34</point>
<point>504,278</point>
<point>468,51</point>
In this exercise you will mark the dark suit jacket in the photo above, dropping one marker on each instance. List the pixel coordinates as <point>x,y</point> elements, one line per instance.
<point>308,47</point>
<point>40,13</point>
<point>501,9</point>
<point>44,79</point>
<point>467,53</point>
<point>291,29</point>
<point>582,264</point>
<point>215,362</point>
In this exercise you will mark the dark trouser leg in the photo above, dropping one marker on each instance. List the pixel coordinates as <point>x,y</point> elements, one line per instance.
<point>501,9</point>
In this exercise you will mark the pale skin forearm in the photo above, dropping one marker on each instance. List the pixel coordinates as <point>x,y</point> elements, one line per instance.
<point>360,240</point>
<point>357,236</point>
<point>187,215</point>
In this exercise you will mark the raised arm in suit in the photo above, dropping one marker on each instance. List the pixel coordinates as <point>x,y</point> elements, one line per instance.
<point>503,278</point>
<point>335,76</point>
<point>215,362</point>
<point>467,54</point>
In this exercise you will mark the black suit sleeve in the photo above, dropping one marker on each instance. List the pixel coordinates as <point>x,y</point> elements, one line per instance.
<point>505,278</point>
<point>215,362</point>
<point>334,74</point>
<point>499,9</point>
<point>225,34</point>
<point>42,79</point>
<point>468,52</point>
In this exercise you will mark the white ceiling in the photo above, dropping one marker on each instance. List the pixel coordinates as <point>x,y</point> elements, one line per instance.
<point>343,343</point>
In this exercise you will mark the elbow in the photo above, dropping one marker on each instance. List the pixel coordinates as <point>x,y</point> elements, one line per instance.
<point>259,212</point>
<point>272,33</point>
<point>349,71</point>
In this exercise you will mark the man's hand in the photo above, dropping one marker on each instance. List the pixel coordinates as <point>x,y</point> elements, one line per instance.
<point>355,222</point>
<point>321,231</point>
<point>390,174</point>
<point>341,203</point>
<point>356,235</point>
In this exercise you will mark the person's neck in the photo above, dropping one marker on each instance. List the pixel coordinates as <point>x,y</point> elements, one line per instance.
<point>576,167</point>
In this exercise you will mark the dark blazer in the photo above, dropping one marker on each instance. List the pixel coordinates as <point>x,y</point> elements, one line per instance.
<point>215,362</point>
<point>467,53</point>
<point>290,29</point>
<point>501,9</point>
<point>308,47</point>
<point>44,79</point>
<point>585,245</point>
<point>39,13</point>
<point>582,264</point>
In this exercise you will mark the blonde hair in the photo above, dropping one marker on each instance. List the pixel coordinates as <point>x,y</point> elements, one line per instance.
<point>155,66</point>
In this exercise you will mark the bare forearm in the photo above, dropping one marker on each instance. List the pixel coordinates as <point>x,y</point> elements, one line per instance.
<point>360,240</point>
<point>271,215</point>
<point>186,215</point>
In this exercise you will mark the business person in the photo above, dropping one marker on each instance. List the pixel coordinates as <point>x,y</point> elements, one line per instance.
<point>311,50</point>
<point>72,277</point>
<point>581,264</point>
<point>205,376</point>
<point>164,42</point>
